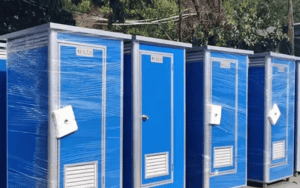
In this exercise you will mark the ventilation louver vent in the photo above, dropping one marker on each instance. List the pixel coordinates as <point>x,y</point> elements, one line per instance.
<point>194,56</point>
<point>223,157</point>
<point>257,61</point>
<point>157,165</point>
<point>278,150</point>
<point>3,53</point>
<point>127,47</point>
<point>30,41</point>
<point>81,175</point>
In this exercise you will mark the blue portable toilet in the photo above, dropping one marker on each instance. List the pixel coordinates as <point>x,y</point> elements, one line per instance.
<point>297,119</point>
<point>3,57</point>
<point>216,117</point>
<point>271,117</point>
<point>154,113</point>
<point>64,104</point>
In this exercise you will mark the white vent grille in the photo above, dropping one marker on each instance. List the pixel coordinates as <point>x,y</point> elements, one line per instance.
<point>81,175</point>
<point>257,61</point>
<point>223,157</point>
<point>278,150</point>
<point>157,165</point>
<point>193,55</point>
<point>27,42</point>
<point>127,47</point>
<point>3,54</point>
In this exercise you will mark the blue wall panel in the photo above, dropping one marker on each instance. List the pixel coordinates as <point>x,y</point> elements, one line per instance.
<point>127,121</point>
<point>296,121</point>
<point>27,120</point>
<point>3,122</point>
<point>194,124</point>
<point>256,123</point>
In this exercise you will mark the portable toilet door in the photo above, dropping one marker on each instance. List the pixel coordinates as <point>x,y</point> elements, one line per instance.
<point>216,99</point>
<point>297,119</point>
<point>271,117</point>
<point>64,106</point>
<point>3,57</point>
<point>154,113</point>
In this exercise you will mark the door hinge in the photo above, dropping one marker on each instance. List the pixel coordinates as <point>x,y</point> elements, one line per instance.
<point>103,181</point>
<point>172,167</point>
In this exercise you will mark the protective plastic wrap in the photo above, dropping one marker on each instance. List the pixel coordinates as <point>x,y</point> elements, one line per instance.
<point>79,145</point>
<point>297,117</point>
<point>3,58</point>
<point>271,106</point>
<point>216,115</point>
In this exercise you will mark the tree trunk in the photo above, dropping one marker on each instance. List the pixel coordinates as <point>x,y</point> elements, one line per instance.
<point>291,25</point>
<point>198,8</point>
<point>180,20</point>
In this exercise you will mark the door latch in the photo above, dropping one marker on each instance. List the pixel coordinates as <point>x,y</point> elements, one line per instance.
<point>274,114</point>
<point>215,113</point>
<point>145,117</point>
<point>65,122</point>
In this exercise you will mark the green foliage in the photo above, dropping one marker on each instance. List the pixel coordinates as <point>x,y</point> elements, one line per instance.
<point>68,5</point>
<point>105,9</point>
<point>277,9</point>
<point>156,10</point>
<point>83,6</point>
<point>249,22</point>
<point>296,7</point>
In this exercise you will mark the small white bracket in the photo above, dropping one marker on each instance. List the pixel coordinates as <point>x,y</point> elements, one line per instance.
<point>215,113</point>
<point>274,114</point>
<point>65,122</point>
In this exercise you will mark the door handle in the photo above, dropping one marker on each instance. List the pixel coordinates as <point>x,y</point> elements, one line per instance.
<point>145,117</point>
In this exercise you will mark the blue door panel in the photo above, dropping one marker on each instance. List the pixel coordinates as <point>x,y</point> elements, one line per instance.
<point>224,93</point>
<point>81,87</point>
<point>280,88</point>
<point>179,111</point>
<point>229,89</point>
<point>285,125</point>
<point>156,104</point>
